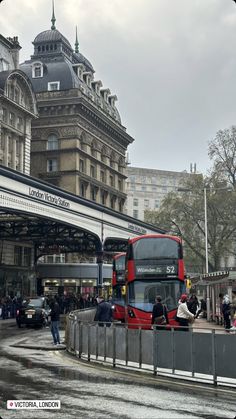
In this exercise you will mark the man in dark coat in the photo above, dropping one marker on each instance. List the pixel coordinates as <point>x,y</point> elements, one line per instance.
<point>55,317</point>
<point>159,313</point>
<point>104,312</point>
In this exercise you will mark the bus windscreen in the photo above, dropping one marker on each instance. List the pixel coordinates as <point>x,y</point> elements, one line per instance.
<point>156,248</point>
<point>141,294</point>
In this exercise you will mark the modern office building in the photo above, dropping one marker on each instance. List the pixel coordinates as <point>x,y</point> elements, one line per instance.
<point>146,188</point>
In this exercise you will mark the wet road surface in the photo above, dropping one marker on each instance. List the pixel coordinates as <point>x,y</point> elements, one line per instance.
<point>88,391</point>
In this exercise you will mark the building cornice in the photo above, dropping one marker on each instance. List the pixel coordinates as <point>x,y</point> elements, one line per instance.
<point>89,111</point>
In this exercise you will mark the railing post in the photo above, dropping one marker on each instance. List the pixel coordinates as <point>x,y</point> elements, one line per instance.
<point>105,342</point>
<point>192,351</point>
<point>173,349</point>
<point>80,338</point>
<point>140,346</point>
<point>96,341</point>
<point>74,343</point>
<point>126,345</point>
<point>213,342</point>
<point>114,345</point>
<point>89,341</point>
<point>154,351</point>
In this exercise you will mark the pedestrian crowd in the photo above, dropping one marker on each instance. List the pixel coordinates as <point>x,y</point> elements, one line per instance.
<point>9,306</point>
<point>189,309</point>
<point>70,302</point>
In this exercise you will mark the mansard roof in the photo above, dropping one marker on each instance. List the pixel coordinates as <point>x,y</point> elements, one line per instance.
<point>55,63</point>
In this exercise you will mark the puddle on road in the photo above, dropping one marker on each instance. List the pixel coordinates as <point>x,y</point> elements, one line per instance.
<point>18,366</point>
<point>32,373</point>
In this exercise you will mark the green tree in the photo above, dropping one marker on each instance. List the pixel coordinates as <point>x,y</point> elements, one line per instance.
<point>222,151</point>
<point>183,212</point>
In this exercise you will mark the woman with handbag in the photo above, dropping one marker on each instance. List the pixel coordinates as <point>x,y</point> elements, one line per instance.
<point>159,314</point>
<point>184,316</point>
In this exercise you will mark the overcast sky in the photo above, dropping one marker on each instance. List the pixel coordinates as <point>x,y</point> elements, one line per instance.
<point>172,64</point>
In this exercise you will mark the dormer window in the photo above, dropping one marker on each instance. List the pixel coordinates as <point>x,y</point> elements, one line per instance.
<point>37,70</point>
<point>79,69</point>
<point>53,85</point>
<point>105,93</point>
<point>97,86</point>
<point>87,76</point>
<point>112,99</point>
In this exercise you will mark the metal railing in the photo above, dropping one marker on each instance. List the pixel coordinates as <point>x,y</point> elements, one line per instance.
<point>198,354</point>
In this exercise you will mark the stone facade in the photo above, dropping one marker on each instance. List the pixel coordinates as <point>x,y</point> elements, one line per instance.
<point>17,109</point>
<point>78,141</point>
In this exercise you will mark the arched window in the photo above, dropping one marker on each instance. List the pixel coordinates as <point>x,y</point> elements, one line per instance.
<point>52,142</point>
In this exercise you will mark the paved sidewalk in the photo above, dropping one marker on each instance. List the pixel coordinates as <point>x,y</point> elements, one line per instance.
<point>41,341</point>
<point>201,323</point>
<point>36,339</point>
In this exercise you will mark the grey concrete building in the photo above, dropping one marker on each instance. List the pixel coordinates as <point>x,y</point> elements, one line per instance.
<point>78,141</point>
<point>146,188</point>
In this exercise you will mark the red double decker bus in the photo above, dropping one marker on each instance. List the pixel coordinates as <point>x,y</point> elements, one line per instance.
<point>154,266</point>
<point>118,286</point>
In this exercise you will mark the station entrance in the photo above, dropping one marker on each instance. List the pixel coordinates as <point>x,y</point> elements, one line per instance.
<point>37,219</point>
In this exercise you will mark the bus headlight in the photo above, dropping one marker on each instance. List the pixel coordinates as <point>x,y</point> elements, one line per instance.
<point>131,313</point>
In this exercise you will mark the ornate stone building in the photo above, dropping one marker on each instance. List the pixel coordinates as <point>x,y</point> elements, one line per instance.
<point>78,141</point>
<point>17,108</point>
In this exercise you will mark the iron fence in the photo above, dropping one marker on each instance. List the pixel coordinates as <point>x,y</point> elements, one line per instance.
<point>200,355</point>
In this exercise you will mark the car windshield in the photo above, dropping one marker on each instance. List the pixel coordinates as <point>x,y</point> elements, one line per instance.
<point>141,294</point>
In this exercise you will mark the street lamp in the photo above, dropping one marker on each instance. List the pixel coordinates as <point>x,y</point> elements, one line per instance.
<point>208,303</point>
<point>206,244</point>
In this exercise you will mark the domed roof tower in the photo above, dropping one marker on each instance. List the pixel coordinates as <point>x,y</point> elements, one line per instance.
<point>81,117</point>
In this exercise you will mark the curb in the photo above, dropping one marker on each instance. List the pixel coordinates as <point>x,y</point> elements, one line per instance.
<point>42,348</point>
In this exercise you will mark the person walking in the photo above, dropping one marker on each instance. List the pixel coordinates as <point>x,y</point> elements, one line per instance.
<point>226,307</point>
<point>55,318</point>
<point>233,310</point>
<point>159,314</point>
<point>184,316</point>
<point>193,304</point>
<point>104,312</point>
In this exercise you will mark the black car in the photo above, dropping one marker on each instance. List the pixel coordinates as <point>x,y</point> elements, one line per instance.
<point>33,311</point>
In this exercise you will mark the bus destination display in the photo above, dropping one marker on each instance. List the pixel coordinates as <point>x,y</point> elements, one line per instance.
<point>150,270</point>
